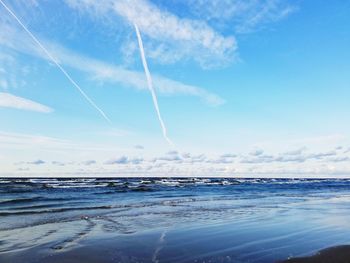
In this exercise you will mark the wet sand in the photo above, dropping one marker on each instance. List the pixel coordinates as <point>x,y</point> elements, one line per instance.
<point>105,251</point>
<point>339,254</point>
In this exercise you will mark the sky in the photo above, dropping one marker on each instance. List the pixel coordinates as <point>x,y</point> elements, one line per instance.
<point>245,88</point>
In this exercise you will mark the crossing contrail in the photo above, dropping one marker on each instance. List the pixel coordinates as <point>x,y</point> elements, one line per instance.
<point>150,84</point>
<point>57,63</point>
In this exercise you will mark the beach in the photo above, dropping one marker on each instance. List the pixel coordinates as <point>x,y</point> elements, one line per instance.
<point>174,220</point>
<point>340,254</point>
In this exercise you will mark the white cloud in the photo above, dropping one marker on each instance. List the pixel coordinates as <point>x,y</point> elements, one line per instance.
<point>339,159</point>
<point>243,15</point>
<point>30,142</point>
<point>8,100</point>
<point>125,160</point>
<point>9,70</point>
<point>295,156</point>
<point>169,37</point>
<point>278,162</point>
<point>139,147</point>
<point>295,152</point>
<point>37,162</point>
<point>89,162</point>
<point>100,71</point>
<point>196,33</point>
<point>58,163</point>
<point>322,155</point>
<point>185,164</point>
<point>228,155</point>
<point>256,152</point>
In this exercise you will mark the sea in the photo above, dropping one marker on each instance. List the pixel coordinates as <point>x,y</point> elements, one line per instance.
<point>170,219</point>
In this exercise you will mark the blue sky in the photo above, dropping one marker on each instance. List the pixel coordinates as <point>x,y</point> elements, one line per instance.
<point>245,88</point>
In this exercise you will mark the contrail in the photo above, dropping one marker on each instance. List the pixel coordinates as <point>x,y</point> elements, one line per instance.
<point>150,84</point>
<point>57,64</point>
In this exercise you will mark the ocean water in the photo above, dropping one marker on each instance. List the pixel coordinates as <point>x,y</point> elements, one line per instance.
<point>170,219</point>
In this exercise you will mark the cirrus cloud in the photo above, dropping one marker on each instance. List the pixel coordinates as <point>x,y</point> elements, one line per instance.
<point>8,100</point>
<point>168,35</point>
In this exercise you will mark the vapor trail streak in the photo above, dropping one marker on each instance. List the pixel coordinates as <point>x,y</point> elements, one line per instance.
<point>150,84</point>
<point>57,64</point>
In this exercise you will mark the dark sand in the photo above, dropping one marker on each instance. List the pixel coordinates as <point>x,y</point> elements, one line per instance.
<point>104,253</point>
<point>340,254</point>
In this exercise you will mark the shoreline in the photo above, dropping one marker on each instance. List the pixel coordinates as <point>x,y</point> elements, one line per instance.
<point>173,220</point>
<point>105,252</point>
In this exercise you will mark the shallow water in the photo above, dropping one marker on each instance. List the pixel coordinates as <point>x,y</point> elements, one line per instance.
<point>170,220</point>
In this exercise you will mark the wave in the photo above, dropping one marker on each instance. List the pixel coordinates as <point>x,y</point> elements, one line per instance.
<point>148,184</point>
<point>20,200</point>
<point>58,210</point>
